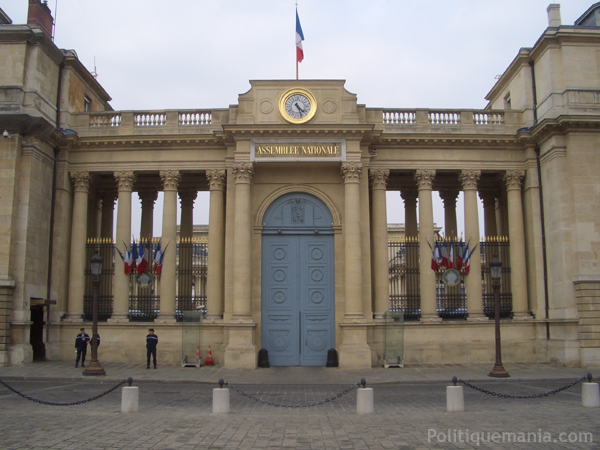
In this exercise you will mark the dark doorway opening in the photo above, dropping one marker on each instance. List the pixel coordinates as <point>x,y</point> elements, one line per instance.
<point>36,333</point>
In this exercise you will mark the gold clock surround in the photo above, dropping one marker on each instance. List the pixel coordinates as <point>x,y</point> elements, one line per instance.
<point>297,91</point>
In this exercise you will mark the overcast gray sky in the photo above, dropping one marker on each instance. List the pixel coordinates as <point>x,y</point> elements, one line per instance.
<point>185,54</point>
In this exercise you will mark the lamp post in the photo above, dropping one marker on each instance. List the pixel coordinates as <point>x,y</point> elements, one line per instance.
<point>94,368</point>
<point>496,268</point>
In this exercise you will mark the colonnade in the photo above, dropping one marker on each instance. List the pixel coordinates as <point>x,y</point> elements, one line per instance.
<point>351,173</point>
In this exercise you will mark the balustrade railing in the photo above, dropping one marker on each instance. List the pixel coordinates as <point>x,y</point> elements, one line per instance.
<point>195,118</point>
<point>105,120</point>
<point>444,117</point>
<point>399,117</point>
<point>488,118</point>
<point>408,117</point>
<point>150,119</point>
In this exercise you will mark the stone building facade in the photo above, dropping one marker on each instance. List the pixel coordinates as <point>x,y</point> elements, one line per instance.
<point>298,254</point>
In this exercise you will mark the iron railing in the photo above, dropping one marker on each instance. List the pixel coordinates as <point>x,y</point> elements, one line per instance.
<point>105,248</point>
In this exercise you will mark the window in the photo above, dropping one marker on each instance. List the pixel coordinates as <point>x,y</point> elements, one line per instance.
<point>87,104</point>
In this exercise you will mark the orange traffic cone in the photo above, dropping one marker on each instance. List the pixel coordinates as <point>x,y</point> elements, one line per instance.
<point>209,361</point>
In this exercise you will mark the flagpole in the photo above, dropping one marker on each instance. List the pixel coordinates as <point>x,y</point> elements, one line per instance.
<point>296,50</point>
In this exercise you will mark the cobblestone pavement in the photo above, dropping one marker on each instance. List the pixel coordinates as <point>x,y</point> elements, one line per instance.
<point>178,415</point>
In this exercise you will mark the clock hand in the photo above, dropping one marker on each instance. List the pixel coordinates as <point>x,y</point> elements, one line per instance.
<point>297,105</point>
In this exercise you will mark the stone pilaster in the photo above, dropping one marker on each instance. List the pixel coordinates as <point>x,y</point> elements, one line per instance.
<point>516,232</point>
<point>216,246</point>
<point>170,179</point>
<point>121,282</point>
<point>424,179</point>
<point>381,289</point>
<point>81,186</point>
<point>470,182</point>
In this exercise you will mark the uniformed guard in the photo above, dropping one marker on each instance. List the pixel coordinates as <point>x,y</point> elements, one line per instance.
<point>81,342</point>
<point>151,343</point>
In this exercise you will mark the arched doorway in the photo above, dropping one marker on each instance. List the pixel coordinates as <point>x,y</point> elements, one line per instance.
<point>298,281</point>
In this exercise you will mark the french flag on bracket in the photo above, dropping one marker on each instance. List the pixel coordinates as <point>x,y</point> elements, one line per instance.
<point>299,39</point>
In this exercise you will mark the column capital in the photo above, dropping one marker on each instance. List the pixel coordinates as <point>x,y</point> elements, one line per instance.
<point>514,179</point>
<point>81,181</point>
<point>449,197</point>
<point>170,179</point>
<point>148,196</point>
<point>489,195</point>
<point>125,180</point>
<point>243,172</point>
<point>351,171</point>
<point>216,179</point>
<point>424,178</point>
<point>409,195</point>
<point>187,197</point>
<point>379,178</point>
<point>470,179</point>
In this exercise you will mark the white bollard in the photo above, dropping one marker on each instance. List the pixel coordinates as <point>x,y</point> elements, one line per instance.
<point>590,395</point>
<point>455,400</point>
<point>220,401</point>
<point>130,399</point>
<point>364,401</point>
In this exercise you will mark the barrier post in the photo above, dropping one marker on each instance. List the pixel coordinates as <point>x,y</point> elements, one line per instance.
<point>130,398</point>
<point>590,394</point>
<point>221,399</point>
<point>455,399</point>
<point>364,399</point>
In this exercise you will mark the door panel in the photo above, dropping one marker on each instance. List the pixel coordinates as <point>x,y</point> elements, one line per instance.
<point>297,301</point>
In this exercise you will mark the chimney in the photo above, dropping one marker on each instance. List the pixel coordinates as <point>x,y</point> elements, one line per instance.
<point>554,15</point>
<point>39,15</point>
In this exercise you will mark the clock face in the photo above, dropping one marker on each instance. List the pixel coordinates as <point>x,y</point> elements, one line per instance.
<point>297,105</point>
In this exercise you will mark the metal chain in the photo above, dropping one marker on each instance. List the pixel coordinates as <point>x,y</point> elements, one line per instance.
<point>543,394</point>
<point>80,402</point>
<point>329,399</point>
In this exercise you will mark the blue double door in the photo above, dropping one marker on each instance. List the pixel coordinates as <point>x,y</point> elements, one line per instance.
<point>297,298</point>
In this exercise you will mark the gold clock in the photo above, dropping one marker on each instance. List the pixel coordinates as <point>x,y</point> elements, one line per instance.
<point>297,105</point>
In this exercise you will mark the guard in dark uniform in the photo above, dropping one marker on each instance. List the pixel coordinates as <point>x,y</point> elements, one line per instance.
<point>151,343</point>
<point>81,342</point>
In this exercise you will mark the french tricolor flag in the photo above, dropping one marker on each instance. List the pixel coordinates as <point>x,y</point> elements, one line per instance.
<point>299,39</point>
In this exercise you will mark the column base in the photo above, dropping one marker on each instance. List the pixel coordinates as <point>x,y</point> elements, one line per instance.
<point>522,316</point>
<point>240,353</point>
<point>73,318</point>
<point>354,352</point>
<point>430,318</point>
<point>477,317</point>
<point>118,318</point>
<point>166,318</point>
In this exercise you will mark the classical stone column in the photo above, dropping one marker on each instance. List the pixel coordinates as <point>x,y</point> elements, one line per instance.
<point>186,231</point>
<point>148,198</point>
<point>410,195</point>
<point>381,289</point>
<point>81,186</point>
<point>122,282</point>
<point>354,352</point>
<point>488,196</point>
<point>470,180</point>
<point>108,211</point>
<point>187,198</point>
<point>168,279</point>
<point>449,197</point>
<point>516,232</point>
<point>240,352</point>
<point>216,246</point>
<point>424,179</point>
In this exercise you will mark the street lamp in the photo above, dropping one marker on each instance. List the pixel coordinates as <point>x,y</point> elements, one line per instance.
<point>496,268</point>
<point>94,368</point>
